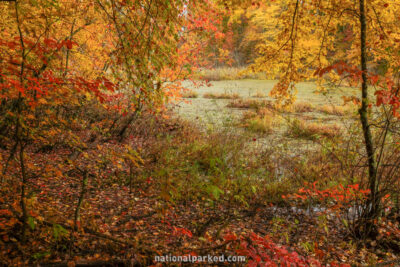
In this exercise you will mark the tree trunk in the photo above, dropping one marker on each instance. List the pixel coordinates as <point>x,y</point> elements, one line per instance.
<point>23,195</point>
<point>372,208</point>
<point>77,216</point>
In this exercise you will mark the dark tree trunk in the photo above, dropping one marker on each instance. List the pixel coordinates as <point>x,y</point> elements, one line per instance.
<point>23,194</point>
<point>372,208</point>
<point>77,217</point>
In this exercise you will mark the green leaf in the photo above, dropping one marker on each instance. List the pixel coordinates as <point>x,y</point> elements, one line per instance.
<point>254,189</point>
<point>31,222</point>
<point>215,191</point>
<point>59,231</point>
<point>40,255</point>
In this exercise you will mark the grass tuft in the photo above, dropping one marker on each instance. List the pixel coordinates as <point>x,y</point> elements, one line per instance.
<point>257,104</point>
<point>190,94</point>
<point>302,107</point>
<point>299,128</point>
<point>259,95</point>
<point>337,110</point>
<point>262,121</point>
<point>221,96</point>
<point>228,73</point>
<point>251,104</point>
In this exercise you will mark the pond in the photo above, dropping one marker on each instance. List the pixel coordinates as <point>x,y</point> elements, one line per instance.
<point>215,112</point>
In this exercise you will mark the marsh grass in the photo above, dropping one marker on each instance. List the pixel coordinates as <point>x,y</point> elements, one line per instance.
<point>259,94</point>
<point>337,110</point>
<point>228,73</point>
<point>298,128</point>
<point>300,107</point>
<point>251,104</point>
<point>263,121</point>
<point>222,96</point>
<point>190,94</point>
<point>192,165</point>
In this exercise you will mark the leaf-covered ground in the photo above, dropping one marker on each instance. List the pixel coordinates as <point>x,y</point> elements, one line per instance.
<point>125,222</point>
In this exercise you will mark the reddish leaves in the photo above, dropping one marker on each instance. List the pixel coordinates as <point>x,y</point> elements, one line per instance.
<point>53,44</point>
<point>262,250</point>
<point>388,95</point>
<point>182,231</point>
<point>341,68</point>
<point>341,195</point>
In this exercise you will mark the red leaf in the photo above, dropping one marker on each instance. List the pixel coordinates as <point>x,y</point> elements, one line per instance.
<point>374,79</point>
<point>68,44</point>
<point>230,237</point>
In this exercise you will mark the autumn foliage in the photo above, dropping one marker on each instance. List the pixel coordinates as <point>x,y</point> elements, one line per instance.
<point>97,170</point>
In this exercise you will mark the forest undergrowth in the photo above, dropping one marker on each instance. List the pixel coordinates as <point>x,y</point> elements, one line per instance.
<point>172,188</point>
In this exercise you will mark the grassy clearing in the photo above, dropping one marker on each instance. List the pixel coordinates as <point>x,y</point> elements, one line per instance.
<point>222,96</point>
<point>299,128</point>
<point>228,73</point>
<point>190,94</point>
